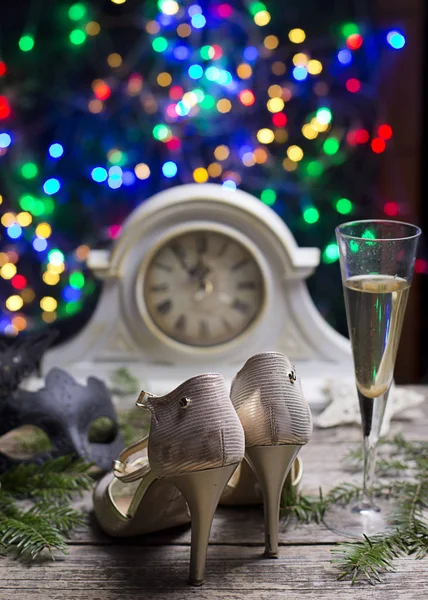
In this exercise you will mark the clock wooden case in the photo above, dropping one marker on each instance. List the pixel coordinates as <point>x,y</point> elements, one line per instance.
<point>200,278</point>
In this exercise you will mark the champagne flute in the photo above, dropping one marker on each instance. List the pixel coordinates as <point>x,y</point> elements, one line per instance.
<point>377,261</point>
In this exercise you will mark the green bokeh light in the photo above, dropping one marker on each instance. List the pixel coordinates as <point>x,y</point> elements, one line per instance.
<point>26,202</point>
<point>208,102</point>
<point>207,52</point>
<point>38,208</point>
<point>77,11</point>
<point>256,7</point>
<point>331,253</point>
<point>324,115</point>
<point>268,197</point>
<point>26,43</point>
<point>77,280</point>
<point>29,170</point>
<point>350,29</point>
<point>160,132</point>
<point>73,307</point>
<point>159,44</point>
<point>77,37</point>
<point>331,146</point>
<point>344,206</point>
<point>311,215</point>
<point>315,168</point>
<point>56,257</point>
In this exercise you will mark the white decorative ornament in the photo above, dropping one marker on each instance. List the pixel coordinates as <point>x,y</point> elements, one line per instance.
<point>343,408</point>
<point>200,278</point>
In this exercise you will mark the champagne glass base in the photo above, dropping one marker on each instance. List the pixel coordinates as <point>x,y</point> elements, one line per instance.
<point>356,521</point>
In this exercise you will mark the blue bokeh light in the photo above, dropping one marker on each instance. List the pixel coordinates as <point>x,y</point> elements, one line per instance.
<point>70,294</point>
<point>181,52</point>
<point>198,21</point>
<point>194,9</point>
<point>115,171</point>
<point>229,184</point>
<point>128,178</point>
<point>181,109</point>
<point>5,140</point>
<point>56,150</point>
<point>99,174</point>
<point>14,231</point>
<point>212,73</point>
<point>251,53</point>
<point>114,182</point>
<point>195,71</point>
<point>300,73</point>
<point>51,186</point>
<point>344,56</point>
<point>39,244</point>
<point>396,39</point>
<point>169,169</point>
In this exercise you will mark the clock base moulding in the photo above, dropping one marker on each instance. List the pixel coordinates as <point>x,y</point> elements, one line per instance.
<point>129,329</point>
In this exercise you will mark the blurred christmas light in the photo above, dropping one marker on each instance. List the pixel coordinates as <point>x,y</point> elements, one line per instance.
<point>39,244</point>
<point>331,146</point>
<point>4,107</point>
<point>396,39</point>
<point>26,43</point>
<point>354,41</point>
<point>295,153</point>
<point>344,206</point>
<point>51,186</point>
<point>268,197</point>
<point>29,170</point>
<point>200,175</point>
<point>169,169</point>
<point>77,37</point>
<point>99,174</point>
<point>48,304</point>
<point>331,253</point>
<point>56,150</point>
<point>297,36</point>
<point>311,215</point>
<point>265,136</point>
<point>385,132</point>
<point>353,85</point>
<point>391,209</point>
<point>344,57</point>
<point>300,73</point>
<point>5,140</point>
<point>378,145</point>
<point>77,11</point>
<point>14,303</point>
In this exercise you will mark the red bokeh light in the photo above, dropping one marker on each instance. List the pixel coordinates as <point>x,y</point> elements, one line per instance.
<point>224,11</point>
<point>102,91</point>
<point>353,85</point>
<point>4,107</point>
<point>354,41</point>
<point>19,282</point>
<point>176,92</point>
<point>279,120</point>
<point>378,145</point>
<point>247,97</point>
<point>218,52</point>
<point>391,209</point>
<point>171,112</point>
<point>114,231</point>
<point>173,144</point>
<point>362,136</point>
<point>385,132</point>
<point>421,265</point>
<point>2,68</point>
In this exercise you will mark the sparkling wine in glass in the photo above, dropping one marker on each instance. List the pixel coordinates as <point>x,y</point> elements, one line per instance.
<point>377,262</point>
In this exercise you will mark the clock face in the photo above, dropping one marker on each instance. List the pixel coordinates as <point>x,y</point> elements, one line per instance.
<point>203,288</point>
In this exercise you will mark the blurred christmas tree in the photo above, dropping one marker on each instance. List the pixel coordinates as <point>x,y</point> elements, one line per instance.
<point>103,104</point>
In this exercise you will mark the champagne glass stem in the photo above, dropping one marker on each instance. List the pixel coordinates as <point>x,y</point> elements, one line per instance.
<point>372,411</point>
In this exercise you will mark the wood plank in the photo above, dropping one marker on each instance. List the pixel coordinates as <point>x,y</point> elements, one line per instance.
<point>111,572</point>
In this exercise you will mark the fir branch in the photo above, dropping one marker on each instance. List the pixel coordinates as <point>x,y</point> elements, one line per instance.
<point>63,518</point>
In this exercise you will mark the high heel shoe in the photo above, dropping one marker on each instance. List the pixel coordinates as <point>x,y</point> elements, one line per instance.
<point>277,422</point>
<point>196,441</point>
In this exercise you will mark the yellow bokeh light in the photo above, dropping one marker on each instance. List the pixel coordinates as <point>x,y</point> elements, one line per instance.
<point>265,135</point>
<point>114,60</point>
<point>295,153</point>
<point>289,165</point>
<point>55,268</point>
<point>3,258</point>
<point>28,295</point>
<point>20,323</point>
<point>184,30</point>
<point>200,175</point>
<point>118,1</point>
<point>8,271</point>
<point>297,35</point>
<point>93,28</point>
<point>95,106</point>
<point>244,71</point>
<point>8,219</point>
<point>320,127</point>
<point>278,68</point>
<point>190,99</point>
<point>314,67</point>
<point>169,7</point>
<point>1,199</point>
<point>49,317</point>
<point>274,91</point>
<point>215,170</point>
<point>275,105</point>
<point>281,136</point>
<point>24,219</point>
<point>43,230</point>
<point>260,155</point>
<point>164,79</point>
<point>82,252</point>
<point>14,302</point>
<point>221,152</point>
<point>271,42</point>
<point>300,59</point>
<point>48,304</point>
<point>224,105</point>
<point>50,278</point>
<point>309,132</point>
<point>262,18</point>
<point>142,171</point>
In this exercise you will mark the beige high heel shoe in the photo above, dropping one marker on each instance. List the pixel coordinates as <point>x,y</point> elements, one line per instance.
<point>277,422</point>
<point>196,442</point>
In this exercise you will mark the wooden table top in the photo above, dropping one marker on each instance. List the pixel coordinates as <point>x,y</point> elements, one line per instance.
<point>156,566</point>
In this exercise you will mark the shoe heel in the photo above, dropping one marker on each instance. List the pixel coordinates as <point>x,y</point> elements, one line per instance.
<point>271,465</point>
<point>202,491</point>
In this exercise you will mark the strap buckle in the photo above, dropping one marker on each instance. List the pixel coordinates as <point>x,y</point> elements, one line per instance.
<point>142,399</point>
